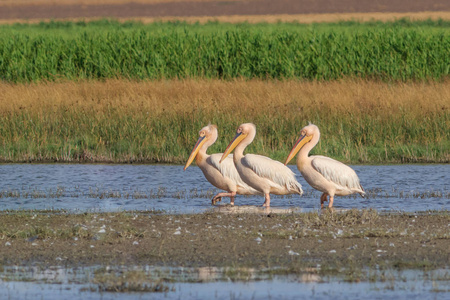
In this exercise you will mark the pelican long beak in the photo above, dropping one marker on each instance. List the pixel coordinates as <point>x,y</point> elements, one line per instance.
<point>237,139</point>
<point>198,145</point>
<point>298,145</point>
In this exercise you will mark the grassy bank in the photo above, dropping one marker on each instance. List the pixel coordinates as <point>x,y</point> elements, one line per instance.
<point>401,50</point>
<point>158,121</point>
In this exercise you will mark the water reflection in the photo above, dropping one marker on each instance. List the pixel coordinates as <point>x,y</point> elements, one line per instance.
<point>219,283</point>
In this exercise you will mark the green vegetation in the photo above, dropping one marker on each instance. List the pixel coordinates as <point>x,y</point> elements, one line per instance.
<point>400,50</point>
<point>124,121</point>
<point>126,282</point>
<point>160,83</point>
<point>119,137</point>
<point>288,243</point>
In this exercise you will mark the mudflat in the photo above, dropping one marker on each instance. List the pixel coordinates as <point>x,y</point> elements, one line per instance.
<point>290,242</point>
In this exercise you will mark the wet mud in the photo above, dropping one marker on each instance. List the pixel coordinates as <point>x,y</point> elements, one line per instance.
<point>278,241</point>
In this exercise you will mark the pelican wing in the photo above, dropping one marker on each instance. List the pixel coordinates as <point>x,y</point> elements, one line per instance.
<point>336,172</point>
<point>275,171</point>
<point>227,169</point>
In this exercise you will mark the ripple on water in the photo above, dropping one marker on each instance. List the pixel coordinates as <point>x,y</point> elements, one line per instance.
<point>216,283</point>
<point>167,187</point>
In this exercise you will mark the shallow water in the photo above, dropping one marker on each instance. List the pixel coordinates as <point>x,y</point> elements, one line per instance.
<point>89,187</point>
<point>60,283</point>
<point>274,289</point>
<point>97,187</point>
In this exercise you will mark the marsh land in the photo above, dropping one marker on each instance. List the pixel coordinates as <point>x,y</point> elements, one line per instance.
<point>76,87</point>
<point>338,241</point>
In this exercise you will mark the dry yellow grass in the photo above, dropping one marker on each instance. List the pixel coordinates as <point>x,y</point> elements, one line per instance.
<point>253,97</point>
<point>158,121</point>
<point>253,19</point>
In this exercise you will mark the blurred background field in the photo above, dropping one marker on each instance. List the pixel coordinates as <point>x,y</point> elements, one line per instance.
<point>401,50</point>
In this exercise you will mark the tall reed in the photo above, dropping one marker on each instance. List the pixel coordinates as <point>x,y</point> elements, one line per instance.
<point>276,51</point>
<point>158,121</point>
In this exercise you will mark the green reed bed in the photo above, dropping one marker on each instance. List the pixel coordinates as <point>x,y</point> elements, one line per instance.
<point>396,51</point>
<point>286,77</point>
<point>118,136</point>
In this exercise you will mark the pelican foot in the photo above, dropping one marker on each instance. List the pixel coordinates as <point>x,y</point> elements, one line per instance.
<point>266,200</point>
<point>330,204</point>
<point>326,208</point>
<point>323,199</point>
<point>215,200</point>
<point>266,204</point>
<point>322,206</point>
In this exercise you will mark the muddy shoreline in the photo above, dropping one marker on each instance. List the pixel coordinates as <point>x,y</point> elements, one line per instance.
<point>289,243</point>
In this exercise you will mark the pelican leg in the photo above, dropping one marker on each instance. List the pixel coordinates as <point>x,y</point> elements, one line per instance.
<point>330,204</point>
<point>323,199</point>
<point>267,200</point>
<point>232,200</point>
<point>218,197</point>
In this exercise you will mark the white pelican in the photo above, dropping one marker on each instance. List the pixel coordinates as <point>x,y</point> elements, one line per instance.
<point>262,173</point>
<point>222,175</point>
<point>323,173</point>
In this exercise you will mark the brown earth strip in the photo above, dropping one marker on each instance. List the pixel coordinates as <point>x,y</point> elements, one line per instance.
<point>301,18</point>
<point>294,242</point>
<point>222,8</point>
<point>91,2</point>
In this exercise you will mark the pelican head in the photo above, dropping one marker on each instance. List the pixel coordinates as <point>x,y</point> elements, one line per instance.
<point>243,131</point>
<point>207,136</point>
<point>306,134</point>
